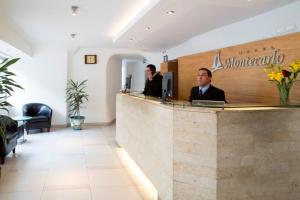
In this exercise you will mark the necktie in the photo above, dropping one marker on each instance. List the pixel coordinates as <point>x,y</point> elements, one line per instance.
<point>200,92</point>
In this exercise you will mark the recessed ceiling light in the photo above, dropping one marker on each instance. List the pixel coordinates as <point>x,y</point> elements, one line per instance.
<point>131,39</point>
<point>73,35</point>
<point>148,28</point>
<point>170,12</point>
<point>249,0</point>
<point>74,10</point>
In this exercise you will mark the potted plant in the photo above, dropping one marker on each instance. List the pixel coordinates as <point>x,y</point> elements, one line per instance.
<point>76,96</point>
<point>7,85</point>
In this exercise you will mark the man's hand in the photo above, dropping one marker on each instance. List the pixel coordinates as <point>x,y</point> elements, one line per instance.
<point>150,77</point>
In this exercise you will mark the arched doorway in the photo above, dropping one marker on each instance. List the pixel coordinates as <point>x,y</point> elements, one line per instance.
<point>118,68</point>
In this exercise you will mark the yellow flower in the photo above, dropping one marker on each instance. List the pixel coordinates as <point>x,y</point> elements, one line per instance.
<point>296,66</point>
<point>279,76</point>
<point>275,76</point>
<point>272,75</point>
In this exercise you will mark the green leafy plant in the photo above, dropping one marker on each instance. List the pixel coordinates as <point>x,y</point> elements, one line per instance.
<point>7,86</point>
<point>76,96</point>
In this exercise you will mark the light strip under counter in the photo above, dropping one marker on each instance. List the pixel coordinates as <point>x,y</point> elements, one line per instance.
<point>143,184</point>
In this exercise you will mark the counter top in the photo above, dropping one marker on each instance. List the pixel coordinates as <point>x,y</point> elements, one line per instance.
<point>177,105</point>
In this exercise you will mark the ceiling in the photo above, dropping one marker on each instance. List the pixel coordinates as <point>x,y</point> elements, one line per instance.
<point>51,21</point>
<point>122,23</point>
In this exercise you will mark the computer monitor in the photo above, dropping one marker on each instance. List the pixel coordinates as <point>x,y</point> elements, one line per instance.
<point>167,85</point>
<point>128,81</point>
<point>127,85</point>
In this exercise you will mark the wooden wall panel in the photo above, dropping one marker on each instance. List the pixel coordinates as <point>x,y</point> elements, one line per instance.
<point>244,84</point>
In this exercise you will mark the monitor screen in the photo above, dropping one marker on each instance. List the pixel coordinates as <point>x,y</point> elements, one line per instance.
<point>167,85</point>
<point>128,82</point>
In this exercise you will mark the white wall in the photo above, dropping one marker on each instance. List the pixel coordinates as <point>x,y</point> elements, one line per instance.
<point>98,109</point>
<point>260,27</point>
<point>44,78</point>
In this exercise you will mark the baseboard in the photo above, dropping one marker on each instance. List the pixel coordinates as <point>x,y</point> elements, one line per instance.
<point>59,126</point>
<point>96,123</point>
<point>100,123</point>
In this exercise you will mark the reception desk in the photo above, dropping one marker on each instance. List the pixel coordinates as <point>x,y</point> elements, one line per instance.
<point>196,153</point>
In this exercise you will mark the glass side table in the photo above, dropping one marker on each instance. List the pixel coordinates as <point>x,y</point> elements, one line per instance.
<point>23,119</point>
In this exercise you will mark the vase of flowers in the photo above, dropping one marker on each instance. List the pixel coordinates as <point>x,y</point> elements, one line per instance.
<point>284,77</point>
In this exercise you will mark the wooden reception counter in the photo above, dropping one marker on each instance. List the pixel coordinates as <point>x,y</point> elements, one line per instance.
<point>192,153</point>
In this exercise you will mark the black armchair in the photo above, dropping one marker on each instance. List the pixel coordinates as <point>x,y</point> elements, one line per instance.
<point>9,136</point>
<point>41,116</point>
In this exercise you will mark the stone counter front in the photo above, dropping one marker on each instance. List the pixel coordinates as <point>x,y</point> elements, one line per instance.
<point>213,154</point>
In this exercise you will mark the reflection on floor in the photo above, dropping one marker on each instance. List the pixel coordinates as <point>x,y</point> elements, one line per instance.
<point>68,165</point>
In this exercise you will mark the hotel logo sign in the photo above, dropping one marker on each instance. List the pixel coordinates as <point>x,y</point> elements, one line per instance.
<point>238,62</point>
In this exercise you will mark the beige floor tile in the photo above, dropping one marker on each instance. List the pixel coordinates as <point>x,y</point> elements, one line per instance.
<point>94,140</point>
<point>67,178</point>
<point>29,163</point>
<point>23,181</point>
<point>67,195</point>
<point>21,196</point>
<point>101,156</point>
<point>109,178</point>
<point>68,148</point>
<point>124,193</point>
<point>67,161</point>
<point>102,162</point>
<point>5,170</point>
<point>98,150</point>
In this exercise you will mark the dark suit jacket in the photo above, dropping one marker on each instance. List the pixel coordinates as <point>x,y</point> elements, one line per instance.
<point>154,87</point>
<point>212,93</point>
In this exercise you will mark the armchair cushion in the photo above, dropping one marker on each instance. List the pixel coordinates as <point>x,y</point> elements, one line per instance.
<point>44,111</point>
<point>31,111</point>
<point>39,119</point>
<point>11,136</point>
<point>10,124</point>
<point>8,138</point>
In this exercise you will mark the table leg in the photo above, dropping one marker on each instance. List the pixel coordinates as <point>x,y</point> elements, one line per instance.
<point>23,140</point>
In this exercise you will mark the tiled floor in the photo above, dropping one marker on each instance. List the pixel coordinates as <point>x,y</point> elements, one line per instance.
<point>68,165</point>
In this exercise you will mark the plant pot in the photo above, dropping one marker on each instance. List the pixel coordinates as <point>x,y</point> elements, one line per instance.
<point>77,122</point>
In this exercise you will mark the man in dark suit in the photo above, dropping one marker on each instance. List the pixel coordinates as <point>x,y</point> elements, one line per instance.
<point>153,86</point>
<point>204,90</point>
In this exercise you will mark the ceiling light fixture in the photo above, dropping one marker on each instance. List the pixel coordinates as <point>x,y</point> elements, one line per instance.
<point>74,10</point>
<point>148,28</point>
<point>131,39</point>
<point>170,12</point>
<point>73,35</point>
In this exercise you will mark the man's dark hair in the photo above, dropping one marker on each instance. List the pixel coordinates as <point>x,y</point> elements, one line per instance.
<point>207,70</point>
<point>152,68</point>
